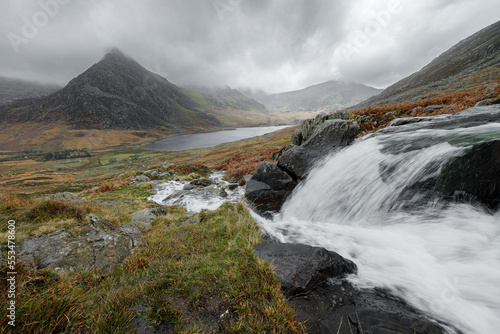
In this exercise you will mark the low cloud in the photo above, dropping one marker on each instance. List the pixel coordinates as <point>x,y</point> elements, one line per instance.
<point>275,45</point>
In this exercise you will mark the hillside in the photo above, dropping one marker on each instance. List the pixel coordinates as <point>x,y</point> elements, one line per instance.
<point>115,93</point>
<point>327,96</point>
<point>228,98</point>
<point>13,89</point>
<point>468,65</point>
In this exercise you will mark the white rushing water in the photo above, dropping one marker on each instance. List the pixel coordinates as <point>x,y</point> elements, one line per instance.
<point>196,199</point>
<point>443,259</point>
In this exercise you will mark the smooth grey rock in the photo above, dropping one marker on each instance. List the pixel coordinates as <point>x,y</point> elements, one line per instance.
<point>143,217</point>
<point>189,186</point>
<point>67,196</point>
<point>140,179</point>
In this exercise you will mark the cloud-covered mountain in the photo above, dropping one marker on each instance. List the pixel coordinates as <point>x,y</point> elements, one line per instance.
<point>471,63</point>
<point>327,96</point>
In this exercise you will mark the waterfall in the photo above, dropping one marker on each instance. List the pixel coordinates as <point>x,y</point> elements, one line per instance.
<point>372,203</point>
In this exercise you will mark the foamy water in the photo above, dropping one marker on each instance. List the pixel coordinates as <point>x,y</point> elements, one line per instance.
<point>443,259</point>
<point>195,200</point>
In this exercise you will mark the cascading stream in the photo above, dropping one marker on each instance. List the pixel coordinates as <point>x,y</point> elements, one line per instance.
<point>369,203</point>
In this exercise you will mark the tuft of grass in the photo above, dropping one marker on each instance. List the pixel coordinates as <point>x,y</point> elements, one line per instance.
<point>53,209</point>
<point>187,169</point>
<point>113,185</point>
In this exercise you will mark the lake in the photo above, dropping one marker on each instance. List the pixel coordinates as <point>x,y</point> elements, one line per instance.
<point>189,141</point>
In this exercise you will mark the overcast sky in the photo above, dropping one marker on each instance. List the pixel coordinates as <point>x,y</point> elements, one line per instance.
<point>274,45</point>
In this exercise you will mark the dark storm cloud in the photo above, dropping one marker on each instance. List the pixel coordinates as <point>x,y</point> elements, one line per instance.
<point>275,45</point>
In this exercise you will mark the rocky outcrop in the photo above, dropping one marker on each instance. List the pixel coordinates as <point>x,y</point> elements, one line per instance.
<point>67,196</point>
<point>97,244</point>
<point>313,280</point>
<point>326,137</point>
<point>268,188</point>
<point>475,176</point>
<point>310,126</point>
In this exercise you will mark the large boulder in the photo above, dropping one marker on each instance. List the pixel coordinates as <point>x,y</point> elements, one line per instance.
<point>300,268</point>
<point>310,126</point>
<point>98,244</point>
<point>475,176</point>
<point>330,135</point>
<point>269,187</point>
<point>313,280</point>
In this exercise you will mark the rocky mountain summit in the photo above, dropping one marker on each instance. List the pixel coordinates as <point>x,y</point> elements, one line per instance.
<point>115,93</point>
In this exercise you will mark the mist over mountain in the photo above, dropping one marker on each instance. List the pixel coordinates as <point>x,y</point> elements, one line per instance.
<point>14,89</point>
<point>470,63</point>
<point>227,97</point>
<point>327,96</point>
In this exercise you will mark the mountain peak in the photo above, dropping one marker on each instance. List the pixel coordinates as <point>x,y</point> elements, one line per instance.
<point>116,56</point>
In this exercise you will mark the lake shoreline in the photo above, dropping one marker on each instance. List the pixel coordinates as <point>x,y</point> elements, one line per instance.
<point>187,141</point>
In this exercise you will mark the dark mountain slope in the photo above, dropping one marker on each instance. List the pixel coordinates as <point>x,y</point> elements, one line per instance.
<point>470,63</point>
<point>115,93</point>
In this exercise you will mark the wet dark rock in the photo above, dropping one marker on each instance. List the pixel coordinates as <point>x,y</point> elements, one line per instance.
<point>475,176</point>
<point>232,186</point>
<point>313,280</point>
<point>201,182</point>
<point>468,118</point>
<point>269,187</point>
<point>300,268</point>
<point>331,135</point>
